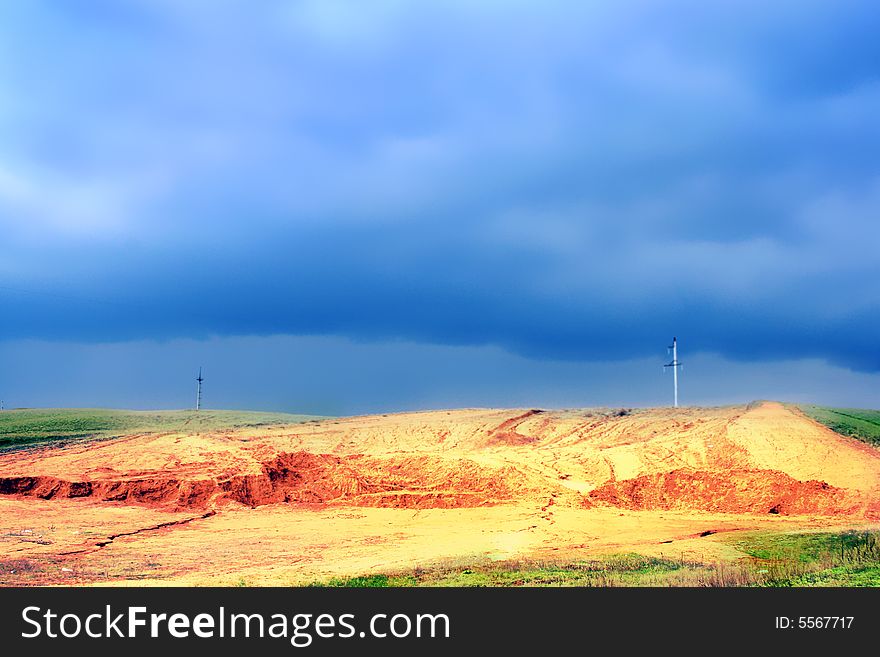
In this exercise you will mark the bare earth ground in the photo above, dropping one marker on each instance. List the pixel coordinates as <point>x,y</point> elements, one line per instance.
<point>303,502</point>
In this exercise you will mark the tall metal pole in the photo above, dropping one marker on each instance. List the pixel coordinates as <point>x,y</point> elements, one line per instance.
<point>675,364</point>
<point>199,391</point>
<point>675,371</point>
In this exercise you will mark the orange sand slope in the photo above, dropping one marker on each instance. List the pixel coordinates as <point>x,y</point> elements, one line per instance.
<point>366,493</point>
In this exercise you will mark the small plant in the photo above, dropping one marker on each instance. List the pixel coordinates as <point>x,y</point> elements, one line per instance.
<point>363,581</point>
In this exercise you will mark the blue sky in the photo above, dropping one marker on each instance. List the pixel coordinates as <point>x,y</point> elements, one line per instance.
<point>359,206</point>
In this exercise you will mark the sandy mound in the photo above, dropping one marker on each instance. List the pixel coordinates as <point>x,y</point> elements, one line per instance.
<point>763,460</point>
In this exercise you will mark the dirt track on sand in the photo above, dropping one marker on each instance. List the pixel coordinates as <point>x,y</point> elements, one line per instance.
<point>378,493</point>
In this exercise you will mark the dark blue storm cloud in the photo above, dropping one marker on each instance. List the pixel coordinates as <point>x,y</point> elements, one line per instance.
<point>564,180</point>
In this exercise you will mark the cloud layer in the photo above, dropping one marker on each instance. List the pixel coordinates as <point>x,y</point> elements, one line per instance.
<point>335,376</point>
<point>564,180</point>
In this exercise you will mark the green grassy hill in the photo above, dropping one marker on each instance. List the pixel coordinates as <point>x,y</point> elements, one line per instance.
<point>30,427</point>
<point>856,422</point>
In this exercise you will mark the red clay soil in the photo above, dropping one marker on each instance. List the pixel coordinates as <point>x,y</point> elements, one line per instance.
<point>301,478</point>
<point>152,492</point>
<point>733,491</point>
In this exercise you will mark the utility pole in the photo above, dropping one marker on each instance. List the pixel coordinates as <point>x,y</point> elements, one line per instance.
<point>199,391</point>
<point>675,364</point>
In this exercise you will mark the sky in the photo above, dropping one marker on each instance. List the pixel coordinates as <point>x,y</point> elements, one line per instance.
<point>367,206</point>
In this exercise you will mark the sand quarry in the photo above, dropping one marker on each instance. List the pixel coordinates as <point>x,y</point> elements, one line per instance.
<point>304,502</point>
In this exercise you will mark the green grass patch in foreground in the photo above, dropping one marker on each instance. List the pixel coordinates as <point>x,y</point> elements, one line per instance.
<point>804,559</point>
<point>811,547</point>
<point>858,423</point>
<point>850,558</point>
<point>611,570</point>
<point>627,569</point>
<point>29,427</point>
